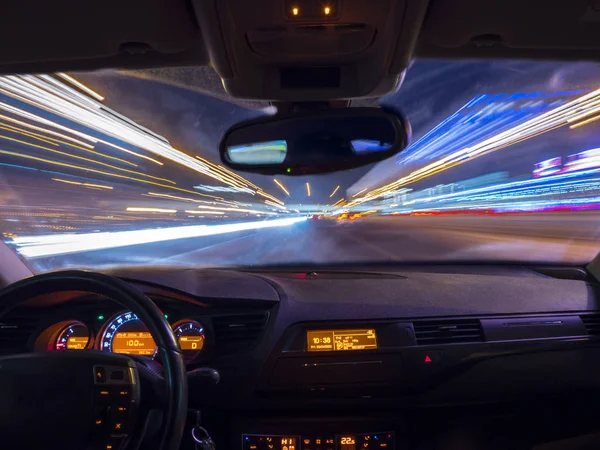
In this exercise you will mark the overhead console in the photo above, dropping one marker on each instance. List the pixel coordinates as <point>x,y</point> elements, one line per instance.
<point>309,50</point>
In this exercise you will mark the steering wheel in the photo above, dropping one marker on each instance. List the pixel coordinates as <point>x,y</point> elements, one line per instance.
<point>89,399</point>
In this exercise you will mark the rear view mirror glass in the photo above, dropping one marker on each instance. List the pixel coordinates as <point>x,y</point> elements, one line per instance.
<point>322,142</point>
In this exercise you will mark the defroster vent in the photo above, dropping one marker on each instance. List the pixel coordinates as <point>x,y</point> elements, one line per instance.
<point>238,332</point>
<point>448,331</point>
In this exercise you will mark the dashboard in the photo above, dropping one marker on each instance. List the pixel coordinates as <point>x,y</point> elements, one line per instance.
<point>122,333</point>
<point>354,360</point>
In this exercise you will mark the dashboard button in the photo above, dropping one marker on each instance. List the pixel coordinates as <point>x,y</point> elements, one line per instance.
<point>112,444</point>
<point>103,396</point>
<point>100,374</point>
<point>100,418</point>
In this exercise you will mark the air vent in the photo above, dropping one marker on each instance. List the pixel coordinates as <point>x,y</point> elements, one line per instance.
<point>238,332</point>
<point>448,331</point>
<point>15,332</point>
<point>592,324</point>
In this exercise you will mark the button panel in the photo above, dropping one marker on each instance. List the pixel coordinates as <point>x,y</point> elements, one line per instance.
<point>115,401</point>
<point>350,441</point>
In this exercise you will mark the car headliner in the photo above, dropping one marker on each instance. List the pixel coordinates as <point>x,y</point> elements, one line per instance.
<point>66,35</point>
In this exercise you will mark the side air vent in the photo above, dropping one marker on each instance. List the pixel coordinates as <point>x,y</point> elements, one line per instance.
<point>448,331</point>
<point>15,332</point>
<point>238,332</point>
<point>592,324</point>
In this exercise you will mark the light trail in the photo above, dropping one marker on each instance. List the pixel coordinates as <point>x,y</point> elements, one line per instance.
<point>555,118</point>
<point>81,86</point>
<point>307,189</point>
<point>268,202</point>
<point>334,191</point>
<point>56,142</point>
<point>359,192</point>
<point>88,169</point>
<point>93,161</point>
<point>153,210</point>
<point>238,210</point>
<point>281,186</point>
<point>27,134</point>
<point>48,94</point>
<point>194,211</point>
<point>185,199</point>
<point>59,244</point>
<point>98,186</point>
<point>47,131</point>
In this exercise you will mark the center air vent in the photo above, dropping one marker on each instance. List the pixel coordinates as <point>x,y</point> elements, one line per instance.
<point>15,332</point>
<point>448,331</point>
<point>238,332</point>
<point>592,324</point>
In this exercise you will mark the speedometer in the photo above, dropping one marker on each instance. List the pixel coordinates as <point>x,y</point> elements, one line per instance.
<point>127,334</point>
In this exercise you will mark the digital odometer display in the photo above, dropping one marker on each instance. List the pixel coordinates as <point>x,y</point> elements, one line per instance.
<point>127,334</point>
<point>341,340</point>
<point>134,343</point>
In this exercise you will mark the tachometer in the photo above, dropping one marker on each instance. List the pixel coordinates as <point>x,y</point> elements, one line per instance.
<point>190,335</point>
<point>75,336</point>
<point>127,334</point>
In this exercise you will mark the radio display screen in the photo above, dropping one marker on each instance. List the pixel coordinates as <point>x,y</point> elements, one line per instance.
<point>341,340</point>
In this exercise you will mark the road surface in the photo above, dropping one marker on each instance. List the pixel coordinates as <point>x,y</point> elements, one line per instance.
<point>556,237</point>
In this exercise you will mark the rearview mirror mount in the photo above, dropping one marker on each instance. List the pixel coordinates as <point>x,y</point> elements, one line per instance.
<point>308,143</point>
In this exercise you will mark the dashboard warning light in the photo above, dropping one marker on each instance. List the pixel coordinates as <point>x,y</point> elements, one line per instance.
<point>327,10</point>
<point>295,11</point>
<point>428,359</point>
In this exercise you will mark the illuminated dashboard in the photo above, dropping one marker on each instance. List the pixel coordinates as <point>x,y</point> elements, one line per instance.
<point>124,333</point>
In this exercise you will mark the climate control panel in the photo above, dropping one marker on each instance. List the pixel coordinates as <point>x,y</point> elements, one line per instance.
<point>348,441</point>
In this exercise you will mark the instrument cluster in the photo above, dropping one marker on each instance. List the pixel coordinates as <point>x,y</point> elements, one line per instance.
<point>123,333</point>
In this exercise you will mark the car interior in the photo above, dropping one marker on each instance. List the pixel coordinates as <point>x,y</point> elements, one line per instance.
<point>334,357</point>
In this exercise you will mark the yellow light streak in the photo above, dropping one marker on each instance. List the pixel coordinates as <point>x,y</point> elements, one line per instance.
<point>585,122</point>
<point>359,192</point>
<point>281,186</point>
<point>85,159</point>
<point>28,134</point>
<point>186,199</point>
<point>45,130</point>
<point>88,169</point>
<point>268,202</point>
<point>54,141</point>
<point>98,186</point>
<point>307,189</point>
<point>334,191</point>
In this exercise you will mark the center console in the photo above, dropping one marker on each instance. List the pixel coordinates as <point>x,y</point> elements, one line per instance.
<point>319,441</point>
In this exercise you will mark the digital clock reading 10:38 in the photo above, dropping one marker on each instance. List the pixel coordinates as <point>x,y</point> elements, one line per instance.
<point>340,340</point>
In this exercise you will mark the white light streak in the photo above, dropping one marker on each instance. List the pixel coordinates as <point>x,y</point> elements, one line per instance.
<point>58,244</point>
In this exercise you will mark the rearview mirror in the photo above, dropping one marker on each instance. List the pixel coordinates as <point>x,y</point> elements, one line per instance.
<point>314,143</point>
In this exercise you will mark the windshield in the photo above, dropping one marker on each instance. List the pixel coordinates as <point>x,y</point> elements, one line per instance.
<point>113,168</point>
